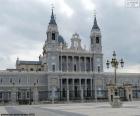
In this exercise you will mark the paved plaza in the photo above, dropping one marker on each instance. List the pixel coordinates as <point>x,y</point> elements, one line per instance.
<point>75,109</point>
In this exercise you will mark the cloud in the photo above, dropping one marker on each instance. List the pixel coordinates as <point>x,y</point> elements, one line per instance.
<point>64,8</point>
<point>88,5</point>
<point>23,25</point>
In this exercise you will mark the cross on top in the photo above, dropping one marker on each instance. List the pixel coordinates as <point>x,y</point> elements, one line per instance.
<point>52,6</point>
<point>94,13</point>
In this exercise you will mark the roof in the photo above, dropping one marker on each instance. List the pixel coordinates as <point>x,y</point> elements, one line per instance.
<point>61,39</point>
<point>52,21</point>
<point>30,62</point>
<point>95,26</point>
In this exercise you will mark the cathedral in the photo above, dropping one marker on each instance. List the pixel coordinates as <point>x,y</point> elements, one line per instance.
<point>65,73</point>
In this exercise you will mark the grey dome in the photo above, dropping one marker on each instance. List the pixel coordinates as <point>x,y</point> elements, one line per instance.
<point>60,39</point>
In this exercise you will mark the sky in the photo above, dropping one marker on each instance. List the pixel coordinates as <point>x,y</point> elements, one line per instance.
<point>23,26</point>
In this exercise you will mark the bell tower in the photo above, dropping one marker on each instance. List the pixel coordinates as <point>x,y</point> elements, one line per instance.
<point>50,57</point>
<point>95,38</point>
<point>52,33</point>
<point>96,47</point>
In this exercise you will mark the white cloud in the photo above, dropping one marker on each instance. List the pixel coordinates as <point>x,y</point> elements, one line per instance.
<point>120,3</point>
<point>65,9</point>
<point>88,5</point>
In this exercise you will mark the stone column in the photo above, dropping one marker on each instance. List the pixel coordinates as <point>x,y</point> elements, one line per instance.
<point>111,88</point>
<point>53,94</point>
<point>79,65</point>
<point>82,95</point>
<point>72,63</point>
<point>81,91</point>
<point>95,90</point>
<point>60,62</point>
<point>13,95</point>
<point>90,65</point>
<point>67,62</point>
<point>91,87</point>
<point>85,64</point>
<point>73,88</point>
<point>35,95</point>
<point>128,90</point>
<point>85,87</point>
<point>67,90</point>
<point>61,88</point>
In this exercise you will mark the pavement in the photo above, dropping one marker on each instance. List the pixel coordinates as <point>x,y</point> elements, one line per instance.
<point>75,109</point>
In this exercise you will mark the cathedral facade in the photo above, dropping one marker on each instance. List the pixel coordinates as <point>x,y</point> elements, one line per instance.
<point>63,73</point>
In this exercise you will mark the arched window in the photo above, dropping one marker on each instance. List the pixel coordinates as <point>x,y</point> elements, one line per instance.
<point>53,67</point>
<point>75,67</point>
<point>53,36</point>
<point>99,69</point>
<point>97,40</point>
<point>31,69</point>
<point>10,80</point>
<point>27,94</point>
<point>39,69</point>
<point>19,95</point>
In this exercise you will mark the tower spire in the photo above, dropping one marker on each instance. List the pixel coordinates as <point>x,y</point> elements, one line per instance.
<point>52,21</point>
<point>95,25</point>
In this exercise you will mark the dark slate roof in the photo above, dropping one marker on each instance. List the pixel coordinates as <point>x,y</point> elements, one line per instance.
<point>30,62</point>
<point>95,26</point>
<point>52,21</point>
<point>60,39</point>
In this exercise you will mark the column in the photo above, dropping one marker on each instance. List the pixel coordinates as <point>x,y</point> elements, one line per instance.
<point>85,64</point>
<point>73,88</point>
<point>85,87</point>
<point>90,64</point>
<point>61,63</point>
<point>13,95</point>
<point>81,91</point>
<point>91,87</point>
<point>35,95</point>
<point>79,65</point>
<point>53,94</point>
<point>67,62</point>
<point>61,88</point>
<point>95,90</point>
<point>67,89</point>
<point>72,63</point>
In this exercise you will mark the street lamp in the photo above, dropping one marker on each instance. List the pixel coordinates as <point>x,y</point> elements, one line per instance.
<point>114,63</point>
<point>115,102</point>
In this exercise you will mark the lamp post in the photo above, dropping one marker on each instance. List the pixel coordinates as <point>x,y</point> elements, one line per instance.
<point>114,63</point>
<point>116,103</point>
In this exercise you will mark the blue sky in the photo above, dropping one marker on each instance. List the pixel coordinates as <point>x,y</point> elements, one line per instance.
<point>23,25</point>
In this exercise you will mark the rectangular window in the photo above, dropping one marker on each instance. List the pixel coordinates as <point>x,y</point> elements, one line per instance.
<point>53,68</point>
<point>99,69</point>
<point>97,39</point>
<point>19,95</point>
<point>28,94</point>
<point>75,67</point>
<point>0,95</point>
<point>53,36</point>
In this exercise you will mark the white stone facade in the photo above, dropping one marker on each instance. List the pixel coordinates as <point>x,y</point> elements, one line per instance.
<point>62,72</point>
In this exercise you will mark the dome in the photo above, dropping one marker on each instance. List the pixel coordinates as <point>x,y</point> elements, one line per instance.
<point>60,39</point>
